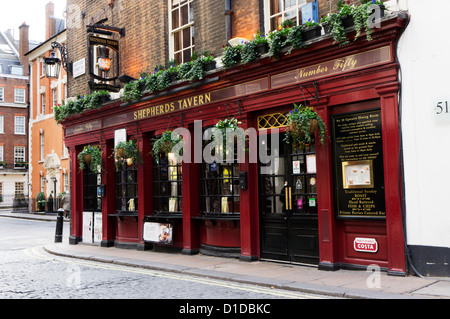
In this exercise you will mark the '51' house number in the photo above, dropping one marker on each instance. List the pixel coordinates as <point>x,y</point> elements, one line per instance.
<point>441,109</point>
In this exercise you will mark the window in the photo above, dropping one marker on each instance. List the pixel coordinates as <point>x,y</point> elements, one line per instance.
<point>19,96</point>
<point>43,103</point>
<point>19,125</point>
<point>42,154</point>
<point>1,153</point>
<point>219,190</point>
<point>167,182</point>
<point>19,155</point>
<point>43,179</point>
<point>55,97</point>
<point>181,18</point>
<point>2,94</point>
<point>2,124</point>
<point>16,70</point>
<point>126,189</point>
<point>19,190</point>
<point>281,10</point>
<point>1,192</point>
<point>66,182</point>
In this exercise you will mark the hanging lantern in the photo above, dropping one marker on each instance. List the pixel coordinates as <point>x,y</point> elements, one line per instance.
<point>52,66</point>
<point>104,61</point>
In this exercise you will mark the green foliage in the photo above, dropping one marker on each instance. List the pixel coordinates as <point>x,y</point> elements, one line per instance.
<point>229,126</point>
<point>249,53</point>
<point>231,55</point>
<point>294,38</point>
<point>127,150</point>
<point>96,157</point>
<point>82,103</point>
<point>277,39</point>
<point>299,131</point>
<point>164,144</point>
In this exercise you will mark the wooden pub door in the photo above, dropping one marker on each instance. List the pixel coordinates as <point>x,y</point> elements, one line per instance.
<point>288,202</point>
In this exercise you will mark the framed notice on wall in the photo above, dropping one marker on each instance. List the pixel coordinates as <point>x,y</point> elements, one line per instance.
<point>358,165</point>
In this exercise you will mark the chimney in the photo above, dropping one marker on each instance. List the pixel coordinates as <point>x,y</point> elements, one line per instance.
<point>50,23</point>
<point>24,46</point>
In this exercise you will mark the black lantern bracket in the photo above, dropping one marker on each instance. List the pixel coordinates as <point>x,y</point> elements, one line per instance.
<point>63,50</point>
<point>316,88</point>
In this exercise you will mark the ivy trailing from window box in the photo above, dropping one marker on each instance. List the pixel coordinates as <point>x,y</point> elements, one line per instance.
<point>81,104</point>
<point>90,156</point>
<point>231,55</point>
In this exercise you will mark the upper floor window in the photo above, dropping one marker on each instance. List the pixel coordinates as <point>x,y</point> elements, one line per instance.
<point>19,95</point>
<point>278,11</point>
<point>1,152</point>
<point>2,124</point>
<point>19,155</point>
<point>55,97</point>
<point>181,17</point>
<point>2,94</point>
<point>43,103</point>
<point>19,124</point>
<point>16,70</point>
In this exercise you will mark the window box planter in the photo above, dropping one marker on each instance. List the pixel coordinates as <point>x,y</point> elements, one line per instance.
<point>262,48</point>
<point>209,65</point>
<point>347,21</point>
<point>312,32</point>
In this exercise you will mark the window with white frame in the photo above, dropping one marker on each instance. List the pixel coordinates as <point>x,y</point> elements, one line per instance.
<point>2,94</point>
<point>66,182</point>
<point>16,70</point>
<point>277,11</point>
<point>43,183</point>
<point>1,153</point>
<point>42,153</point>
<point>43,103</point>
<point>19,125</point>
<point>55,97</point>
<point>181,25</point>
<point>2,124</point>
<point>19,155</point>
<point>19,96</point>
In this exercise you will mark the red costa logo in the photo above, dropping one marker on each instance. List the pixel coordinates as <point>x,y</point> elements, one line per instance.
<point>367,245</point>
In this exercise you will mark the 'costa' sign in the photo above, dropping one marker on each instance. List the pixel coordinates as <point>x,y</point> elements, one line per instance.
<point>366,245</point>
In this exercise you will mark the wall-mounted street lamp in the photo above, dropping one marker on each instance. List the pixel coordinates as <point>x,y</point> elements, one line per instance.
<point>53,63</point>
<point>104,61</point>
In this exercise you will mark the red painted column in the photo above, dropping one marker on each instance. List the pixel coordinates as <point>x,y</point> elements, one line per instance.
<point>191,199</point>
<point>391,145</point>
<point>249,208</point>
<point>145,192</point>
<point>76,232</point>
<point>325,195</point>
<point>109,199</point>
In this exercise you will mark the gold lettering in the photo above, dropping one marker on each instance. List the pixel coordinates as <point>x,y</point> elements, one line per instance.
<point>207,97</point>
<point>172,107</point>
<point>195,100</point>
<point>200,99</point>
<point>153,111</point>
<point>135,115</point>
<point>184,103</point>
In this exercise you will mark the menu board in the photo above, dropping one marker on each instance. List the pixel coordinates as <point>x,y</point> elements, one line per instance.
<point>358,165</point>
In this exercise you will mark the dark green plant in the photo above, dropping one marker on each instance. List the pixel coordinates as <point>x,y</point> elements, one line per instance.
<point>231,55</point>
<point>164,144</point>
<point>294,38</point>
<point>95,154</point>
<point>337,29</point>
<point>127,152</point>
<point>229,126</point>
<point>249,53</point>
<point>132,91</point>
<point>40,200</point>
<point>3,163</point>
<point>299,131</point>
<point>277,40</point>
<point>82,103</point>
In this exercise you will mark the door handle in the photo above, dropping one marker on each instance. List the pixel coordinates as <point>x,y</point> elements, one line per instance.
<point>290,197</point>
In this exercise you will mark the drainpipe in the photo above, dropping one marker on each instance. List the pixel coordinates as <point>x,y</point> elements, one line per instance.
<point>228,13</point>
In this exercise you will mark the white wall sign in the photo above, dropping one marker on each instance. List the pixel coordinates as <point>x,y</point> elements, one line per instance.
<point>79,68</point>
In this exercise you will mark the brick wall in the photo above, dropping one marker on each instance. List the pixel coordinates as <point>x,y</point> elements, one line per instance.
<point>146,43</point>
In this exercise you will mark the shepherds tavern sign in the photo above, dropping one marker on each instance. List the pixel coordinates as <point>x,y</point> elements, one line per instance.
<point>341,65</point>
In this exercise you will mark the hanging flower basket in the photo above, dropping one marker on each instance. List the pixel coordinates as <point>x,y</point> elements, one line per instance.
<point>90,156</point>
<point>127,153</point>
<point>303,124</point>
<point>164,144</point>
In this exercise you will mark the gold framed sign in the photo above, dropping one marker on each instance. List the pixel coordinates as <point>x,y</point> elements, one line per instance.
<point>357,174</point>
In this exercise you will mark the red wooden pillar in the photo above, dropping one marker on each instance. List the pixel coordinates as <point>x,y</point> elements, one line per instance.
<point>145,193</point>
<point>108,201</point>
<point>391,146</point>
<point>76,232</point>
<point>191,198</point>
<point>249,208</point>
<point>325,195</point>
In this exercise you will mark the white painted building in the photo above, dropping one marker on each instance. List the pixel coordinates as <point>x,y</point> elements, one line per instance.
<point>423,53</point>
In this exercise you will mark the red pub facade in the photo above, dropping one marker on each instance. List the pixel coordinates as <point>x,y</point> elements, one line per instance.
<point>303,207</point>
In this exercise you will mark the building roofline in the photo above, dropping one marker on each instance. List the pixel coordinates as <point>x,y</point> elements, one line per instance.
<point>46,41</point>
